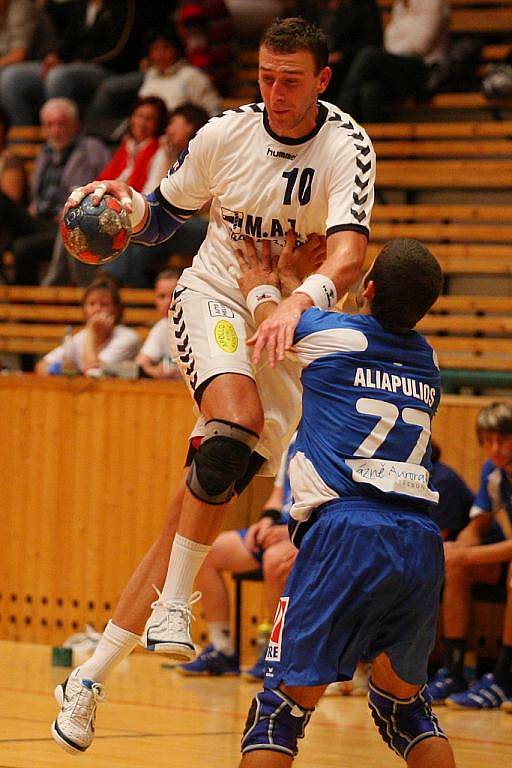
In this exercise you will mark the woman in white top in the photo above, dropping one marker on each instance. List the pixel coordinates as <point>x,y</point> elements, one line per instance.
<point>103,340</point>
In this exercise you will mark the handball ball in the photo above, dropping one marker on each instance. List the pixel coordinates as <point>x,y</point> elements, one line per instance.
<point>96,234</point>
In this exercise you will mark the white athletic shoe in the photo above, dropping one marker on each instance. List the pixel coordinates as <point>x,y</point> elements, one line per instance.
<point>168,628</point>
<point>73,728</point>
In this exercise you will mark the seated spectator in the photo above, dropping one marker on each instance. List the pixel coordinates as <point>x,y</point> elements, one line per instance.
<point>103,340</point>
<point>137,266</point>
<point>251,17</point>
<point>13,179</point>
<point>482,552</point>
<point>455,498</point>
<point>415,43</point>
<point>208,36</point>
<point>93,46</point>
<point>165,73</point>
<point>264,544</point>
<point>17,23</point>
<point>66,160</point>
<point>154,357</point>
<point>350,25</point>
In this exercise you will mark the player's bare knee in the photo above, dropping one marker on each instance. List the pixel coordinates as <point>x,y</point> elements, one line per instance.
<point>403,723</point>
<point>222,459</point>
<point>275,722</point>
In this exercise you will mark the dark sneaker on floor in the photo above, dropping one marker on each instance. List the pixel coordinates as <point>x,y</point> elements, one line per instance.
<point>256,672</point>
<point>442,685</point>
<point>210,662</point>
<point>483,694</point>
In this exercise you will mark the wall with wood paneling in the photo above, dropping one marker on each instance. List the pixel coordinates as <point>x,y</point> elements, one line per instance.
<point>87,470</point>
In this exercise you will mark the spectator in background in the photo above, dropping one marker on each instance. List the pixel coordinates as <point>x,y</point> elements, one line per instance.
<point>482,553</point>
<point>13,179</point>
<point>103,340</point>
<point>415,46</point>
<point>164,73</point>
<point>207,33</point>
<point>67,159</point>
<point>93,45</point>
<point>350,25</point>
<point>455,498</point>
<point>138,264</point>
<point>17,23</point>
<point>154,358</point>
<point>250,17</point>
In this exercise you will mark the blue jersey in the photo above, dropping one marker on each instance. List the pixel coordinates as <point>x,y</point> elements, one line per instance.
<point>494,493</point>
<point>368,400</point>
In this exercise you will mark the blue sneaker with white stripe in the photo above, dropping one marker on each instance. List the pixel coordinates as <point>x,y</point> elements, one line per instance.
<point>442,685</point>
<point>483,694</point>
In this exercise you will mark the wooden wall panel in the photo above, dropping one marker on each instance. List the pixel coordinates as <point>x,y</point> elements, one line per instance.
<point>87,471</point>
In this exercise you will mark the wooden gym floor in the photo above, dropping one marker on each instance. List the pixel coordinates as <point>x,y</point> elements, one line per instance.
<point>154,717</point>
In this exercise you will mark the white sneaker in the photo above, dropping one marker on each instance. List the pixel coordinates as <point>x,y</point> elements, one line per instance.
<point>168,628</point>
<point>73,728</point>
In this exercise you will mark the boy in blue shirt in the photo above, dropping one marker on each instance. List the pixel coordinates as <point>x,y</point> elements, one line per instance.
<point>482,552</point>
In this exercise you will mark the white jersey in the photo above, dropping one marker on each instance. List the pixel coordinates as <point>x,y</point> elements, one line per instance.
<point>156,346</point>
<point>261,185</point>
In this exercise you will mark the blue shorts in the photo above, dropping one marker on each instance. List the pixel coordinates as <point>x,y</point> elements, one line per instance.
<point>367,580</point>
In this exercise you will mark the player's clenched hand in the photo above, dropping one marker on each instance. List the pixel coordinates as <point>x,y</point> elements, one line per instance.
<point>275,334</point>
<point>119,189</point>
<point>255,268</point>
<point>256,532</point>
<point>297,262</point>
<point>274,535</point>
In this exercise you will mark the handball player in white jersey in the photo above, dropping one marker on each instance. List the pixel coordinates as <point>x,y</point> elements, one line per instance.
<point>292,162</point>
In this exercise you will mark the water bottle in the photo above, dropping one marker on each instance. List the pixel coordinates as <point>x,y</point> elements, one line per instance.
<point>263,634</point>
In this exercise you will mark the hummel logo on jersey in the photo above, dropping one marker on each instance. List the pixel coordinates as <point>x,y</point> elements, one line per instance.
<point>280,154</point>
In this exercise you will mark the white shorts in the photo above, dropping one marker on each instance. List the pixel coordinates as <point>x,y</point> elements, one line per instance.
<point>207,337</point>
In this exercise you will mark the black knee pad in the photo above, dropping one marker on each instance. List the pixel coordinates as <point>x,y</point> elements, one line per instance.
<point>221,460</point>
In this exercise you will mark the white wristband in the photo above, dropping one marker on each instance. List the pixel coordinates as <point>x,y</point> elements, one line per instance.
<point>320,289</point>
<point>261,295</point>
<point>138,209</point>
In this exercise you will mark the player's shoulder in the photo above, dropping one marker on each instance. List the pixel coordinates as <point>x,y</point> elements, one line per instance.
<point>490,470</point>
<point>348,329</point>
<point>342,127</point>
<point>243,115</point>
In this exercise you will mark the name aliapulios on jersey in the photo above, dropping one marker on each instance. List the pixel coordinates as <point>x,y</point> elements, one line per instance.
<point>250,225</point>
<point>373,378</point>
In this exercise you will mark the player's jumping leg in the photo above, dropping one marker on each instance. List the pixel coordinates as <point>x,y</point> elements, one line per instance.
<point>405,720</point>
<point>234,418</point>
<point>79,695</point>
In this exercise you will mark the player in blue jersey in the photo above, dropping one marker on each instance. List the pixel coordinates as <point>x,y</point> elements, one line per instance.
<point>368,575</point>
<point>482,552</point>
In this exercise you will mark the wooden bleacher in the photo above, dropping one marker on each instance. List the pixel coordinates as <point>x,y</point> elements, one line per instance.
<point>33,319</point>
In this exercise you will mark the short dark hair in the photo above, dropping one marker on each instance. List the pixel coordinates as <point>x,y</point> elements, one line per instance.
<point>160,108</point>
<point>496,417</point>
<point>104,282</point>
<point>297,34</point>
<point>194,115</point>
<point>408,280</point>
<point>168,274</point>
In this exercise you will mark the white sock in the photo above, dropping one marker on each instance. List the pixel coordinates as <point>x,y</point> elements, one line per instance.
<point>114,646</point>
<point>186,559</point>
<point>220,637</point>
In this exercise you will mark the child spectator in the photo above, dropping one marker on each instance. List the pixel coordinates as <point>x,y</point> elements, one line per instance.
<point>482,552</point>
<point>154,357</point>
<point>103,340</point>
